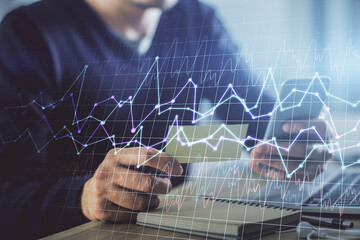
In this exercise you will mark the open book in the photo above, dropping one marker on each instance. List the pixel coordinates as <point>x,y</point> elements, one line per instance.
<point>221,218</point>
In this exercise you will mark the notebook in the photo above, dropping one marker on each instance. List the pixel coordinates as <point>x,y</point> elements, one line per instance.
<point>221,218</point>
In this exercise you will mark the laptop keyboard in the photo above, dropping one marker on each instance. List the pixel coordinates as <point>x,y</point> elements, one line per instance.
<point>344,190</point>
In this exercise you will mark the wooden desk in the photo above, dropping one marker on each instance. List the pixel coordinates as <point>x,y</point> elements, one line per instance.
<point>99,230</point>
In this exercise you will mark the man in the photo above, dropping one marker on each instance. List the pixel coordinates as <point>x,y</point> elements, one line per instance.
<point>80,81</point>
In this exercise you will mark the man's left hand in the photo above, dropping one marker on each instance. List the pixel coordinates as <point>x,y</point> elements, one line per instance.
<point>303,159</point>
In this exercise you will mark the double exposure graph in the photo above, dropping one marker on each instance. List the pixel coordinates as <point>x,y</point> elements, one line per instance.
<point>161,107</point>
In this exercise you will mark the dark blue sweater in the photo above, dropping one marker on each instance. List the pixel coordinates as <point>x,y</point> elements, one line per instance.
<point>44,51</point>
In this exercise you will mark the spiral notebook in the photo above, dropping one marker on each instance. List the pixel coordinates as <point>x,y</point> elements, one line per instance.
<point>221,218</point>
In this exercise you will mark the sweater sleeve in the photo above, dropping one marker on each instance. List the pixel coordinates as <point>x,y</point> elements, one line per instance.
<point>32,204</point>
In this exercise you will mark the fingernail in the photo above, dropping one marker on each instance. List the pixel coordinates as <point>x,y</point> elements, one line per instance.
<point>162,186</point>
<point>261,151</point>
<point>178,170</point>
<point>286,127</point>
<point>168,184</point>
<point>155,201</point>
<point>290,127</point>
<point>266,148</point>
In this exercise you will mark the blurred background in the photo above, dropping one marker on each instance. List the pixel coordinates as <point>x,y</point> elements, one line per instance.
<point>295,39</point>
<point>8,5</point>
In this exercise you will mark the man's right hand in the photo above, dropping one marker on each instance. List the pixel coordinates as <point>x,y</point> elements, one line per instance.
<point>116,192</point>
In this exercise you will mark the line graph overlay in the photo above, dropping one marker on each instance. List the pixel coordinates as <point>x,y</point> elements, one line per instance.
<point>229,94</point>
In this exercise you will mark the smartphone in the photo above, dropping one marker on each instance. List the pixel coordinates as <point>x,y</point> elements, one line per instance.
<point>299,99</point>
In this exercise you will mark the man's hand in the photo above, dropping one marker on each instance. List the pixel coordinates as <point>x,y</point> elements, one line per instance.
<point>116,192</point>
<point>266,158</point>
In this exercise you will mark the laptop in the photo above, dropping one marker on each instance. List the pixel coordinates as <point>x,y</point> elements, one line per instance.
<point>339,193</point>
<point>335,191</point>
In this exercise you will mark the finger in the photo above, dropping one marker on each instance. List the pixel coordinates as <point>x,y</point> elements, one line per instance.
<point>259,150</point>
<point>150,157</point>
<point>164,162</point>
<point>290,165</point>
<point>263,169</point>
<point>266,164</point>
<point>297,151</point>
<point>114,213</point>
<point>266,157</point>
<point>133,200</point>
<point>314,127</point>
<point>302,174</point>
<point>296,125</point>
<point>143,182</point>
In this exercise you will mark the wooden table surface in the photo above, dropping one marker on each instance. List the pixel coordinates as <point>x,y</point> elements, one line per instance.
<point>101,231</point>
